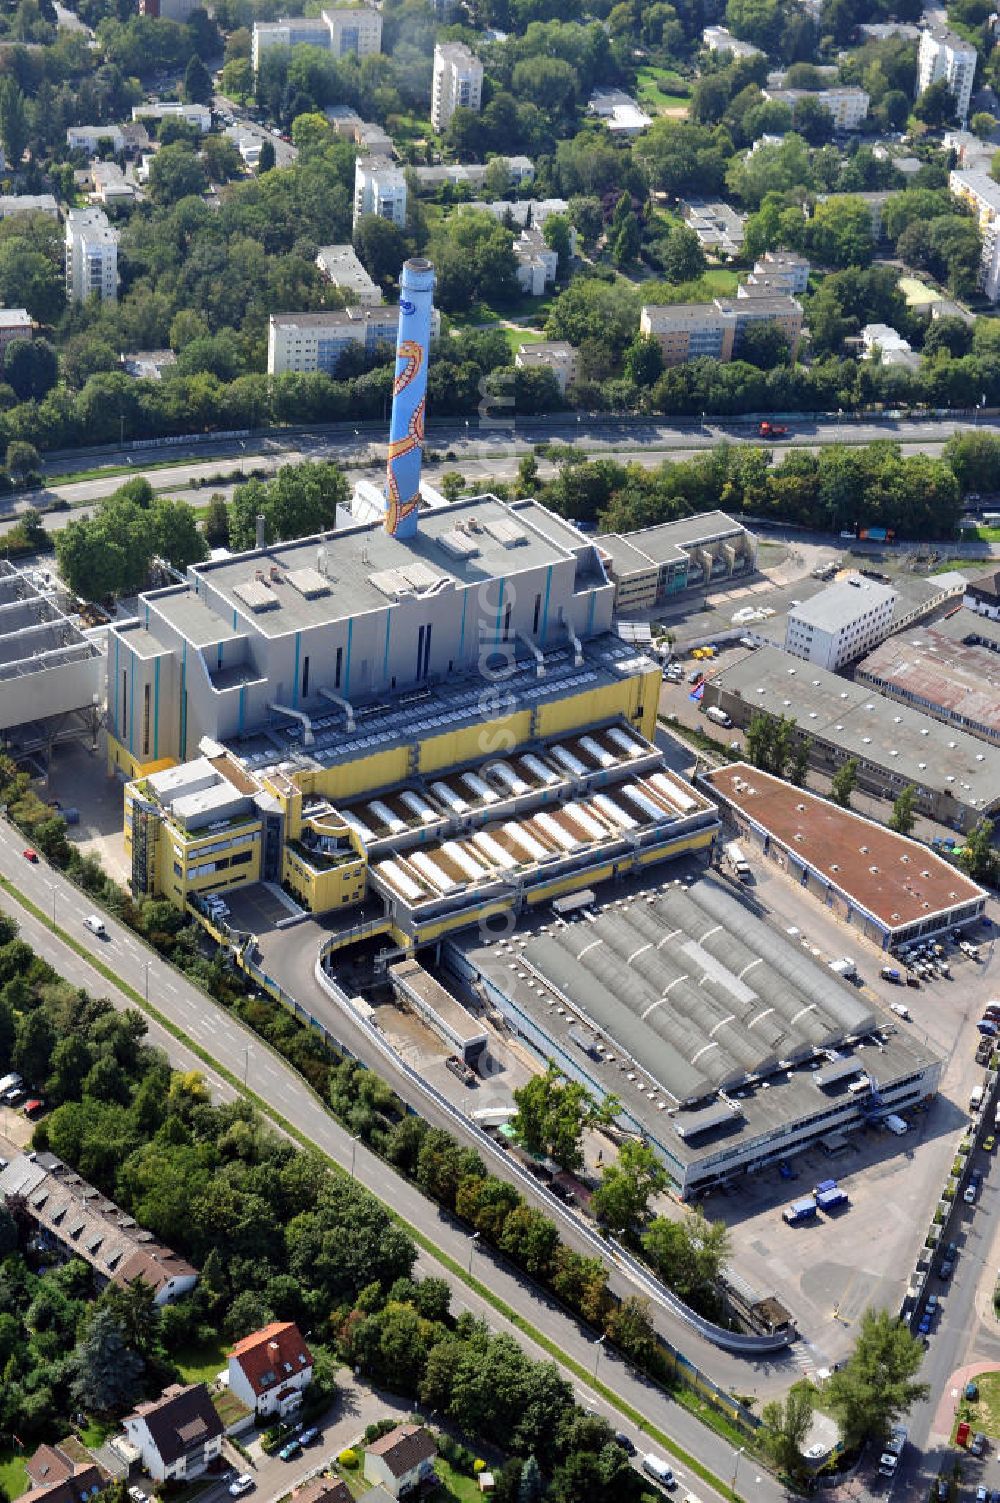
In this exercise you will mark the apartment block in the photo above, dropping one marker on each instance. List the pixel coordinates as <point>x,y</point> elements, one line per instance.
<point>537,262</point>
<point>316,341</point>
<point>944,56</point>
<point>718,226</point>
<point>785,267</point>
<point>982,194</point>
<point>687,331</point>
<point>848,105</point>
<point>379,188</point>
<point>341,267</point>
<point>553,355</point>
<point>457,84</point>
<point>350,31</point>
<point>91,256</point>
<point>171,109</point>
<point>168,10</point>
<point>841,623</point>
<point>719,39</point>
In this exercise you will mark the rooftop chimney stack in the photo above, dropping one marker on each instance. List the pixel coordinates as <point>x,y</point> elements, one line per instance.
<point>409,391</point>
<point>261,531</point>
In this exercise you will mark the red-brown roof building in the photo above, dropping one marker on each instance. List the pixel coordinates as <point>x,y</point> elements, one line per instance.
<point>270,1369</point>
<point>890,887</point>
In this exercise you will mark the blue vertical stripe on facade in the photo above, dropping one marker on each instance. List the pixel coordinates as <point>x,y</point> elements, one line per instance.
<point>131,704</point>
<point>116,721</point>
<point>545,605</point>
<point>184,705</point>
<point>347,666</point>
<point>499,610</point>
<point>156,710</point>
<point>243,708</point>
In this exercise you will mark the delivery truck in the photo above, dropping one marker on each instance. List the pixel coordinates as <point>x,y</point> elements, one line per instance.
<point>738,863</point>
<point>829,1196</point>
<point>799,1211</point>
<point>718,717</point>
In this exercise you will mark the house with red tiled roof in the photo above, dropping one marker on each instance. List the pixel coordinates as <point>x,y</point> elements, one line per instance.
<point>64,1473</point>
<point>270,1369</point>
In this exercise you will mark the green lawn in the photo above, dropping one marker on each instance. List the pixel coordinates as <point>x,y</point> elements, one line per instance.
<point>718,281</point>
<point>455,1487</point>
<point>983,1413</point>
<point>200,1364</point>
<point>521,335</point>
<point>534,308</point>
<point>981,534</point>
<point>97,1432</point>
<point>13,1477</point>
<point>653,87</point>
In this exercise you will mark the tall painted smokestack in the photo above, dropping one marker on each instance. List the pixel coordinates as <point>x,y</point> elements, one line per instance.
<point>409,391</point>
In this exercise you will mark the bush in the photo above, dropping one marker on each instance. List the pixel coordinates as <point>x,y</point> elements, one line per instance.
<point>349,1460</point>
<point>478,1465</point>
<point>378,1429</point>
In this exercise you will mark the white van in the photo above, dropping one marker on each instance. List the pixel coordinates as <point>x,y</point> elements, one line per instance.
<point>95,925</point>
<point>895,1124</point>
<point>657,1467</point>
<point>976,1098</point>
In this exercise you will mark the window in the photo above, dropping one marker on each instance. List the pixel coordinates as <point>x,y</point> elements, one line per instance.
<point>340,661</point>
<point>145,721</point>
<point>305,678</point>
<point>537,613</point>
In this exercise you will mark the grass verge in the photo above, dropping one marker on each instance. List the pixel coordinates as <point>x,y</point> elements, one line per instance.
<point>420,1238</point>
<point>13,1477</point>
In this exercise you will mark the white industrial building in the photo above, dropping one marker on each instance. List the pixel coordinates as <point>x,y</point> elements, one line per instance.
<point>457,83</point>
<point>51,674</point>
<point>316,341</point>
<point>341,267</point>
<point>841,623</point>
<point>379,188</point>
<point>944,56</point>
<point>982,194</point>
<point>91,256</point>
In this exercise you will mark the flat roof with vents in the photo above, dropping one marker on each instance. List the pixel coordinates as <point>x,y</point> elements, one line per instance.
<point>895,880</point>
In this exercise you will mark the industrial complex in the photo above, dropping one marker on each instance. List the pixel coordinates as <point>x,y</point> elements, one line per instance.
<point>957,777</point>
<point>52,673</point>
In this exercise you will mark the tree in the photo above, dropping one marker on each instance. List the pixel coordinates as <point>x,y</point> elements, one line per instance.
<point>266,159</point>
<point>903,817</point>
<point>764,345</point>
<point>527,474</point>
<point>556,233</point>
<point>14,125</point>
<point>786,1425</point>
<point>644,361</point>
<point>31,367</point>
<point>875,1386</point>
<point>623,1195</point>
<point>22,459</point>
<point>552,1113</point>
<point>381,246</point>
<point>531,1487</point>
<point>983,125</point>
<point>106,1372</point>
<point>217,522</point>
<point>979,857</point>
<point>843,783</point>
<point>800,762</point>
<point>197,82</point>
<point>936,105</point>
<point>133,1305</point>
<point>688,1254</point>
<point>683,257</point>
<point>175,173</point>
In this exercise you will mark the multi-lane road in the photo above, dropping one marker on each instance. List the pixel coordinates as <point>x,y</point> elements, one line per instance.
<point>245,1058</point>
<point>483,450</point>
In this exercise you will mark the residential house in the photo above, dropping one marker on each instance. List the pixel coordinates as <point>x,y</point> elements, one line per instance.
<point>553,355</point>
<point>379,188</point>
<point>619,112</point>
<point>177,1435</point>
<point>323,1490</point>
<point>15,323</point>
<point>64,1473</point>
<point>270,1369</point>
<point>73,1220</point>
<point>401,1461</point>
<point>537,262</point>
<point>720,39</point>
<point>94,138</point>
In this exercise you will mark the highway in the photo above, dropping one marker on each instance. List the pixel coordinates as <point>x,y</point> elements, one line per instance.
<point>482,449</point>
<point>241,1053</point>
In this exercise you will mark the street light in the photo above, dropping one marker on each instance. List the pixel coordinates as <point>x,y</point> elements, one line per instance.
<point>354,1151</point>
<point>472,1247</point>
<point>147,980</point>
<point>52,889</point>
<point>246,1065</point>
<point>736,1463</point>
<point>598,1344</point>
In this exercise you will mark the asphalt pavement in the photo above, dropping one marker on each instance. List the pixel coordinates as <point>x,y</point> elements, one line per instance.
<point>247,1058</point>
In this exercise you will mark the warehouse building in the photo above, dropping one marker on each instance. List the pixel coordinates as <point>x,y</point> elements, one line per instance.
<point>892,889</point>
<point>957,778</point>
<point>727,1046</point>
<point>650,566</point>
<point>955,683</point>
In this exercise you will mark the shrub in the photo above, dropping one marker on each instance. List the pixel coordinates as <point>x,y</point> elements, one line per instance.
<point>478,1465</point>
<point>349,1460</point>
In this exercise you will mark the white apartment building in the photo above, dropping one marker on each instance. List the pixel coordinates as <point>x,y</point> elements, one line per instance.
<point>171,109</point>
<point>91,256</point>
<point>720,39</point>
<point>316,341</point>
<point>341,267</point>
<point>553,355</point>
<point>379,188</point>
<point>91,138</point>
<point>841,623</point>
<point>982,194</point>
<point>458,83</point>
<point>943,55</point>
<point>348,31</point>
<point>848,105</point>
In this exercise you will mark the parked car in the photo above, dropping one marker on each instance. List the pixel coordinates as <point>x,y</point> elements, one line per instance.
<point>137,1495</point>
<point>29,854</point>
<point>310,1436</point>
<point>943,1488</point>
<point>977,1445</point>
<point>946,1270</point>
<point>244,1483</point>
<point>622,1439</point>
<point>989,1144</point>
<point>289,1451</point>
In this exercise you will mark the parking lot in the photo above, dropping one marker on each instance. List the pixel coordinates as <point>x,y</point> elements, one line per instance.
<point>830,1270</point>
